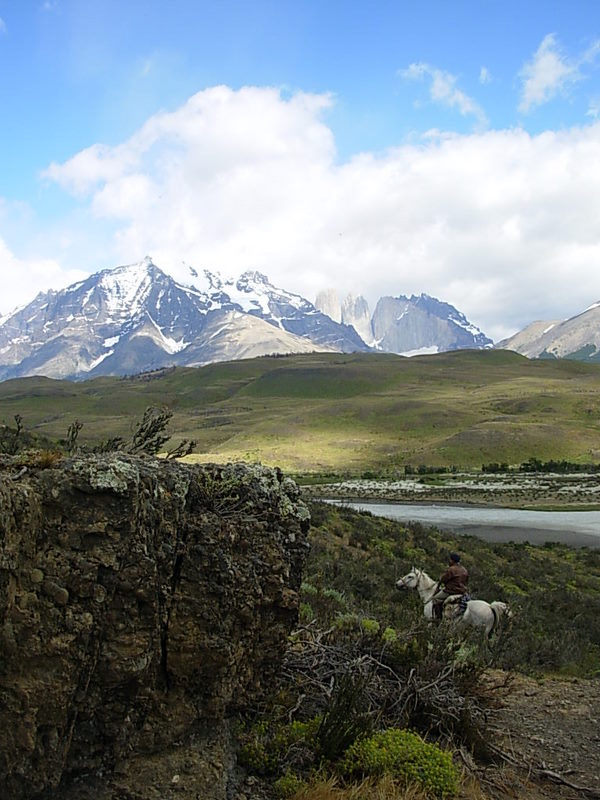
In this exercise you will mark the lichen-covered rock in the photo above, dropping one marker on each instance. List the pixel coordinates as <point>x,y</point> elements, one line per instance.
<point>142,602</point>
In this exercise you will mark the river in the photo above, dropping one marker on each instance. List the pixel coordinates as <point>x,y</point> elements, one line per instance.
<point>575,528</point>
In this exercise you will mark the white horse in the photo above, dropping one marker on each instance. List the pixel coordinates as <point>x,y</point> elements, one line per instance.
<point>478,613</point>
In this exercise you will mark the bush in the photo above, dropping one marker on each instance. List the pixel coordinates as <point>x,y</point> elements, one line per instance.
<point>405,755</point>
<point>288,785</point>
<point>346,718</point>
<point>270,748</point>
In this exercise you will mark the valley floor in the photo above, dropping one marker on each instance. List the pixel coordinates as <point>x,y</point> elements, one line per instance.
<point>576,491</point>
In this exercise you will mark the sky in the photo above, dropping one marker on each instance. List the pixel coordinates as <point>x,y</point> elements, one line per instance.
<point>450,147</point>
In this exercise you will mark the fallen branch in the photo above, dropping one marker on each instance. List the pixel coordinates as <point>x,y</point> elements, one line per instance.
<point>542,772</point>
<point>556,777</point>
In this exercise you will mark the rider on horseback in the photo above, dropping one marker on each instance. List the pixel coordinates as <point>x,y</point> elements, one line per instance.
<point>453,581</point>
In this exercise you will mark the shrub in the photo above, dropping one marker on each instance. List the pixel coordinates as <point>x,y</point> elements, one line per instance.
<point>389,636</point>
<point>346,718</point>
<point>270,747</point>
<point>288,785</point>
<point>306,613</point>
<point>405,755</point>
<point>370,626</point>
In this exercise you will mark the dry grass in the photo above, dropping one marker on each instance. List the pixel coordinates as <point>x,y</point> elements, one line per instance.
<point>385,788</point>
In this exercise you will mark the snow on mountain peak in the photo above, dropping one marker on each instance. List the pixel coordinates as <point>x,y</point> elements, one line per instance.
<point>250,277</point>
<point>125,288</point>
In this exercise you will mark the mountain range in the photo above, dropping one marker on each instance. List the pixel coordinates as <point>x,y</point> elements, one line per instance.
<point>137,318</point>
<point>576,338</point>
<point>409,326</point>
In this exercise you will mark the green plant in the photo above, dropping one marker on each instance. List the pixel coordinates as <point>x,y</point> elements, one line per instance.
<point>405,755</point>
<point>389,636</point>
<point>346,717</point>
<point>268,746</point>
<point>370,626</point>
<point>306,613</point>
<point>288,785</point>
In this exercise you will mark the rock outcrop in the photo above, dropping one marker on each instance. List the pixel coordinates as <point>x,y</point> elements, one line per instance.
<point>142,603</point>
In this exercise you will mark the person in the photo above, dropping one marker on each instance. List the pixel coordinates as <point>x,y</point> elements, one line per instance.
<point>453,581</point>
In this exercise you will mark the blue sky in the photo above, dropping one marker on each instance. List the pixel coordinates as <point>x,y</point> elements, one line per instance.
<point>378,147</point>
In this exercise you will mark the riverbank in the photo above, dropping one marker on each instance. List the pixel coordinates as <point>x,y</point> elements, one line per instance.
<point>494,524</point>
<point>539,491</point>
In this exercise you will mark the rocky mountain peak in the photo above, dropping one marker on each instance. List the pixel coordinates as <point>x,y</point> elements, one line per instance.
<point>136,317</point>
<point>251,278</point>
<point>126,288</point>
<point>405,325</point>
<point>577,337</point>
<point>328,302</point>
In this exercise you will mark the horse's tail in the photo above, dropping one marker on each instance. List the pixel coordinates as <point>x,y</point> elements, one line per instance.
<point>495,622</point>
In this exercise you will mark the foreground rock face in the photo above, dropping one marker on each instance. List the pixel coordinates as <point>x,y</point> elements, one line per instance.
<point>142,602</point>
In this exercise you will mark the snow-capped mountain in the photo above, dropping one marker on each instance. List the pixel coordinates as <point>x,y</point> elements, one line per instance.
<point>576,338</point>
<point>405,325</point>
<point>136,317</point>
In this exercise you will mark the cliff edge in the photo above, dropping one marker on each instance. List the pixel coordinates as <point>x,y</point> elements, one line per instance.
<point>142,602</point>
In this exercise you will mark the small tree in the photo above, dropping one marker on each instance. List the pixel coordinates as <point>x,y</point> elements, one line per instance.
<point>10,438</point>
<point>150,436</point>
<point>72,434</point>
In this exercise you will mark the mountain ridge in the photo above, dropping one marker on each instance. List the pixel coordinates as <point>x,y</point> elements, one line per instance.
<point>136,318</point>
<point>577,337</point>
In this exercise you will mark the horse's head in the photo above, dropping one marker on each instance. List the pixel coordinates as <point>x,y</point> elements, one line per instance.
<point>410,580</point>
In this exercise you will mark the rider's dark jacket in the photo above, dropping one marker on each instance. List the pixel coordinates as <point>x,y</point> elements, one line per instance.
<point>455,579</point>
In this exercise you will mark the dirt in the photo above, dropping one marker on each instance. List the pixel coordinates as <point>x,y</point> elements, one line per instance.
<point>549,731</point>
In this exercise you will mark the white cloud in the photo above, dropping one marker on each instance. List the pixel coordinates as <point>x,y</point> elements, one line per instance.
<point>502,224</point>
<point>2,26</point>
<point>23,278</point>
<point>485,76</point>
<point>548,73</point>
<point>443,90</point>
<point>551,72</point>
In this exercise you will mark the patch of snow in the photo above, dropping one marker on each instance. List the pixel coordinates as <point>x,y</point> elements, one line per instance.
<point>422,351</point>
<point>98,360</point>
<point>247,298</point>
<point>462,322</point>
<point>204,283</point>
<point>126,288</point>
<point>166,342</point>
<point>74,287</point>
<point>111,340</point>
<point>549,328</point>
<point>589,308</point>
<point>172,345</point>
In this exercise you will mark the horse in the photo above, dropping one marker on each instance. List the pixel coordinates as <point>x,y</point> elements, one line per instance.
<point>477,613</point>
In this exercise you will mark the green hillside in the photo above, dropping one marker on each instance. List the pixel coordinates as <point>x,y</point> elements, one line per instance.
<point>339,412</point>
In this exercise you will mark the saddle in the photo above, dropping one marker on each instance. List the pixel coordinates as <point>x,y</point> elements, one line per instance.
<point>456,605</point>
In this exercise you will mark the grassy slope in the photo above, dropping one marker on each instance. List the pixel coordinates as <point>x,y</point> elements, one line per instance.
<point>342,412</point>
<point>553,590</point>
